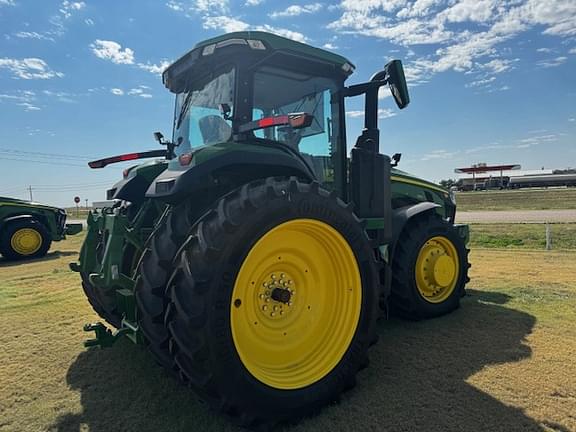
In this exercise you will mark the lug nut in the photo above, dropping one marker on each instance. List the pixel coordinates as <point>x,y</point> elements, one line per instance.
<point>265,308</point>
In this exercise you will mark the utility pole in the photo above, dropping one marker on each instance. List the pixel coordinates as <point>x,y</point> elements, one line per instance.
<point>86,199</point>
<point>30,190</point>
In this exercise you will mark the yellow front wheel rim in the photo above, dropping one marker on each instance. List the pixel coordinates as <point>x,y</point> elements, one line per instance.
<point>26,241</point>
<point>296,304</point>
<point>437,269</point>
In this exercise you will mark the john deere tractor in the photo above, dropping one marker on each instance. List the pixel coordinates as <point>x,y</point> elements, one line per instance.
<point>254,258</point>
<point>27,229</point>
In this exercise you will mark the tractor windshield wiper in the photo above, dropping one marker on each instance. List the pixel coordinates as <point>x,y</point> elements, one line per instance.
<point>184,109</point>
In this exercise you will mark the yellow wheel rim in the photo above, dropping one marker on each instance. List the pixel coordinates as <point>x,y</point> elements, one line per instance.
<point>296,304</point>
<point>26,241</point>
<point>437,269</point>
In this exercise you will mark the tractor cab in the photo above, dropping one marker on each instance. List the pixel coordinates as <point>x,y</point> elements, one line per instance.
<point>253,104</point>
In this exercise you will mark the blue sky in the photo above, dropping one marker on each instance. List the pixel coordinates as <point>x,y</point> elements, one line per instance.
<point>490,80</point>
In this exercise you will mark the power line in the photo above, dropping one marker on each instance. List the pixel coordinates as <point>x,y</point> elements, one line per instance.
<point>50,163</point>
<point>41,154</point>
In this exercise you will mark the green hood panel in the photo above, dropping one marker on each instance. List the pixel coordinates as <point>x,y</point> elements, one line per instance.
<point>24,203</point>
<point>402,176</point>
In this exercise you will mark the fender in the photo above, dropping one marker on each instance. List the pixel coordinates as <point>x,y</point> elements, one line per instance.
<point>129,189</point>
<point>18,217</point>
<point>136,181</point>
<point>402,215</point>
<point>223,173</point>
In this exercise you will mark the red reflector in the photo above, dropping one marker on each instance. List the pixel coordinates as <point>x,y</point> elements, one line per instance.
<point>185,159</point>
<point>129,156</point>
<point>266,122</point>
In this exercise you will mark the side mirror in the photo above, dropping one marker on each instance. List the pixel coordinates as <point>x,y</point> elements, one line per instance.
<point>397,82</point>
<point>159,137</point>
<point>396,159</point>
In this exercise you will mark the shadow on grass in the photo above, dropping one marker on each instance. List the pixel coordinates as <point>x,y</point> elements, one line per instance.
<point>48,257</point>
<point>416,381</point>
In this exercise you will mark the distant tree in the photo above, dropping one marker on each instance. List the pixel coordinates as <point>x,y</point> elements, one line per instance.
<point>448,183</point>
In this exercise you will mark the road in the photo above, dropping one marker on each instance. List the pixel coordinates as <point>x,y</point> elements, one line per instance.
<point>517,216</point>
<point>500,216</point>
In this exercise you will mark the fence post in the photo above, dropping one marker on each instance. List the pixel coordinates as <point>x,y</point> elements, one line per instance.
<point>548,237</point>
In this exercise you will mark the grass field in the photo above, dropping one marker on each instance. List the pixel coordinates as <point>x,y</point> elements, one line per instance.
<point>523,199</point>
<point>503,362</point>
<point>525,236</point>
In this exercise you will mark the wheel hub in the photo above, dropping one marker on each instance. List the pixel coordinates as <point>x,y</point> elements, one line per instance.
<point>277,295</point>
<point>436,269</point>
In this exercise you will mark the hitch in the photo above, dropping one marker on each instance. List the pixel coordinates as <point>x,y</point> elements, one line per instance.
<point>104,336</point>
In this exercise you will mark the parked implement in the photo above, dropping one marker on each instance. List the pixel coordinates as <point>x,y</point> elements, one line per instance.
<point>27,229</point>
<point>269,250</point>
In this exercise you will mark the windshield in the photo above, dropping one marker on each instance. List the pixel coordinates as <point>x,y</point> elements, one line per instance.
<point>199,115</point>
<point>279,92</point>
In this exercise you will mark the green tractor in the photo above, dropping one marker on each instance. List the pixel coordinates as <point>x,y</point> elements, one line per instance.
<point>27,229</point>
<point>254,258</point>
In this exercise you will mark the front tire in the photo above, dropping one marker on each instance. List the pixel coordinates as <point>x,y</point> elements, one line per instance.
<point>24,239</point>
<point>274,301</point>
<point>429,269</point>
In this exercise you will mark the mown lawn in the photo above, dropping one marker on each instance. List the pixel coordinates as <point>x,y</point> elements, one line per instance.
<point>522,199</point>
<point>504,361</point>
<point>525,236</point>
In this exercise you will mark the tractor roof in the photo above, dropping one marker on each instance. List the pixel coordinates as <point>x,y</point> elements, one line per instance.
<point>257,42</point>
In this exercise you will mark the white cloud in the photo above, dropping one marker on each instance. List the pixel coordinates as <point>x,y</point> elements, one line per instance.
<point>203,7</point>
<point>34,35</point>
<point>61,96</point>
<point>572,51</point>
<point>294,35</point>
<point>572,119</point>
<point>23,98</point>
<point>110,50</point>
<point>29,107</point>
<point>7,3</point>
<point>295,10</point>
<point>117,91</point>
<point>140,91</point>
<point>383,113</point>
<point>329,46</point>
<point>462,48</point>
<point>439,154</point>
<point>543,50</point>
<point>254,2</point>
<point>156,69</point>
<point>229,24</point>
<point>225,23</point>
<point>481,82</point>
<point>67,8</point>
<point>29,68</point>
<point>175,5</point>
<point>552,62</point>
<point>89,22</point>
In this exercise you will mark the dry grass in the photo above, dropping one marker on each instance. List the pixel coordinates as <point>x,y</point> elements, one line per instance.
<point>504,361</point>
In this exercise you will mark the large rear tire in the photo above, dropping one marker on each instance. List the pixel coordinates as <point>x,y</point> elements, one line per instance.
<point>273,303</point>
<point>429,269</point>
<point>154,271</point>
